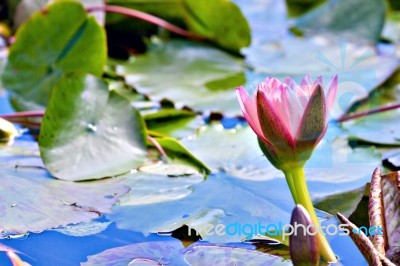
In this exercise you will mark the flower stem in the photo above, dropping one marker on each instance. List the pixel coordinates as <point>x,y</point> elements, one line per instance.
<point>303,198</point>
<point>289,180</point>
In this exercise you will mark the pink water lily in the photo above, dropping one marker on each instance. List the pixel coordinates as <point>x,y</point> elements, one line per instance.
<point>290,119</point>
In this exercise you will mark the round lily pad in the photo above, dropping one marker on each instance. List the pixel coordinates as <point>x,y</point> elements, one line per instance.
<point>90,133</point>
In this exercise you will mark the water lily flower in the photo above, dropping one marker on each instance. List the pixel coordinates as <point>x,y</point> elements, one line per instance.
<point>289,121</point>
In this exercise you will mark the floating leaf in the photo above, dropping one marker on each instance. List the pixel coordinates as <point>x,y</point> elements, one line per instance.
<point>173,122</point>
<point>26,8</point>
<point>99,130</point>
<point>354,17</point>
<point>83,229</point>
<point>197,66</point>
<point>392,159</point>
<point>380,128</point>
<point>177,151</point>
<point>221,199</point>
<point>220,20</point>
<point>344,202</point>
<point>160,183</point>
<point>33,68</point>
<point>31,201</point>
<point>173,253</point>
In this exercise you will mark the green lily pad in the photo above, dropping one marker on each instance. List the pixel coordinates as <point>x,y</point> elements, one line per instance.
<point>100,131</point>
<point>220,20</point>
<point>186,73</point>
<point>176,151</point>
<point>345,202</point>
<point>26,8</point>
<point>174,123</point>
<point>32,201</point>
<point>33,68</point>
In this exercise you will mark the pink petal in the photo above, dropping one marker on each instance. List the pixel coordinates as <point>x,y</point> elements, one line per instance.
<point>332,92</point>
<point>318,81</point>
<point>313,122</point>
<point>249,109</point>
<point>306,85</point>
<point>282,105</point>
<point>273,128</point>
<point>296,106</point>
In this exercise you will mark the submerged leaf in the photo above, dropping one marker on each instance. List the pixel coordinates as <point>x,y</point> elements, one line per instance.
<point>102,134</point>
<point>33,68</point>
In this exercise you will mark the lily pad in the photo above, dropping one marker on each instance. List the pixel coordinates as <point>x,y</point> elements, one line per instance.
<point>83,229</point>
<point>345,202</point>
<point>100,131</point>
<point>33,68</point>
<point>26,8</point>
<point>220,20</point>
<point>173,253</point>
<point>32,201</point>
<point>353,17</point>
<point>380,128</point>
<point>174,123</point>
<point>176,151</point>
<point>200,69</point>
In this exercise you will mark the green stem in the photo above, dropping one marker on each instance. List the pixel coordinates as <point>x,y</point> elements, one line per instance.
<point>303,198</point>
<point>289,180</point>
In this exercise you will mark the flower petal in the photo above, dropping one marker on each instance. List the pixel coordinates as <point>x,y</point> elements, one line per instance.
<point>313,122</point>
<point>249,109</point>
<point>295,107</point>
<point>332,92</point>
<point>273,128</point>
<point>307,85</point>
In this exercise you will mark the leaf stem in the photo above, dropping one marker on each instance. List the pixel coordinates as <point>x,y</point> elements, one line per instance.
<point>158,147</point>
<point>148,18</point>
<point>23,115</point>
<point>303,198</point>
<point>369,112</point>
